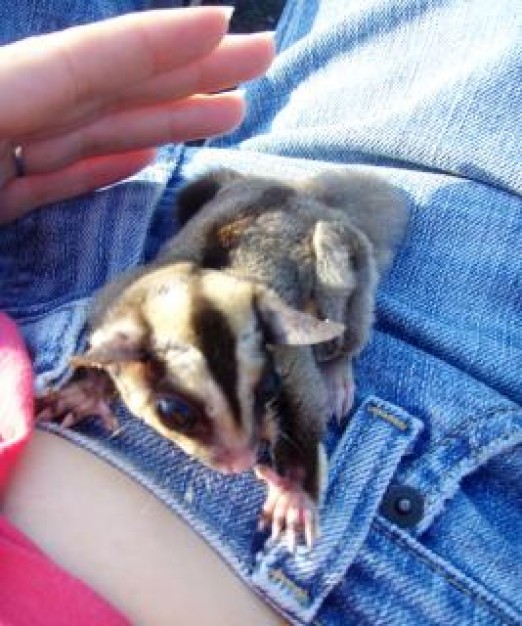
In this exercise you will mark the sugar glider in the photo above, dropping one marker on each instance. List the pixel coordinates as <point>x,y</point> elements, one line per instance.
<point>242,331</point>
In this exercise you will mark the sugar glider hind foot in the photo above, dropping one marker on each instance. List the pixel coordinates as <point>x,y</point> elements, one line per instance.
<point>83,397</point>
<point>288,509</point>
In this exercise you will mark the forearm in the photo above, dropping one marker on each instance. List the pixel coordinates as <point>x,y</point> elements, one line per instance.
<point>123,542</point>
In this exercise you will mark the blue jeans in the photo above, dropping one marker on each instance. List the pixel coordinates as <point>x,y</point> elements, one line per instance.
<point>427,93</point>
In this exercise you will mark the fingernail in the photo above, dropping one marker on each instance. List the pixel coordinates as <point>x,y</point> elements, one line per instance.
<point>227,11</point>
<point>291,541</point>
<point>269,34</point>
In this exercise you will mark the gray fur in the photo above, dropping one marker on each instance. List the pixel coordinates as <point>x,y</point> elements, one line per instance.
<point>362,220</point>
<point>326,241</point>
<point>306,252</point>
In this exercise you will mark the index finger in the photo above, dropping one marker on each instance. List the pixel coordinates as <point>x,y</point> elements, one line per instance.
<point>61,76</point>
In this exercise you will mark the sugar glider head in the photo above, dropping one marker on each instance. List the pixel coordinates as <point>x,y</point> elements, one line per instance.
<point>189,352</point>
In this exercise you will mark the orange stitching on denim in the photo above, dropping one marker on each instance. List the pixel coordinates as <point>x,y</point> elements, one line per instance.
<point>473,594</point>
<point>302,596</point>
<point>388,417</point>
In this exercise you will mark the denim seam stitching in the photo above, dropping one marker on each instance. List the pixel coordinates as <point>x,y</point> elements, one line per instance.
<point>388,417</point>
<point>475,450</point>
<point>434,495</point>
<point>478,453</point>
<point>334,554</point>
<point>279,577</point>
<point>481,596</point>
<point>489,414</point>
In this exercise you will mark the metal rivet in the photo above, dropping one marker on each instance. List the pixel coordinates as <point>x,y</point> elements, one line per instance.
<point>402,505</point>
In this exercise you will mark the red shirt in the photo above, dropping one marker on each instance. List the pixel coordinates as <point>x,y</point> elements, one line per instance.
<point>34,591</point>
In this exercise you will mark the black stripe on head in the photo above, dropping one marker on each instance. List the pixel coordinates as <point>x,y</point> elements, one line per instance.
<point>217,342</point>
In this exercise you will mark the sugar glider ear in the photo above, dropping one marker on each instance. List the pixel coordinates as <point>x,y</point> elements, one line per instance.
<point>202,190</point>
<point>284,325</point>
<point>112,345</point>
<point>341,253</point>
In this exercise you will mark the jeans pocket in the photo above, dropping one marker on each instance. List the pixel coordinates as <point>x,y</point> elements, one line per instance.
<point>398,581</point>
<point>360,472</point>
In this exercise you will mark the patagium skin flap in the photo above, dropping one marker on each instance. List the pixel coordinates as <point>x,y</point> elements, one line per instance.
<point>243,330</point>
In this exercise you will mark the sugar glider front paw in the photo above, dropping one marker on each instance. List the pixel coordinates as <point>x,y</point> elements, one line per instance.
<point>83,397</point>
<point>340,386</point>
<point>288,509</point>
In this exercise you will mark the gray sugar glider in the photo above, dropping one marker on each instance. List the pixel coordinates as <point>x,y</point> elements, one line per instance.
<point>243,330</point>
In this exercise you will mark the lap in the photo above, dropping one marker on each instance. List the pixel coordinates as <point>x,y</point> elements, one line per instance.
<point>123,542</point>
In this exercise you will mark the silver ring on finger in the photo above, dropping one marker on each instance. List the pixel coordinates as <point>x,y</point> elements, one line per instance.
<point>12,163</point>
<point>19,163</point>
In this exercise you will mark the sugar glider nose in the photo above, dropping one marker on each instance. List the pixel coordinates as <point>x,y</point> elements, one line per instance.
<point>235,461</point>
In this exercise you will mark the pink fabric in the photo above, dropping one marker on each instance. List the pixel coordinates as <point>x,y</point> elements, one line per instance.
<point>33,590</point>
<point>16,397</point>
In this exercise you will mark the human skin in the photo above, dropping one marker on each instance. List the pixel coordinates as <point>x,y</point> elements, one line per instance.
<point>84,122</point>
<point>124,543</point>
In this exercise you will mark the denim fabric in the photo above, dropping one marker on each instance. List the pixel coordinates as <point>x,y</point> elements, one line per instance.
<point>427,94</point>
<point>33,17</point>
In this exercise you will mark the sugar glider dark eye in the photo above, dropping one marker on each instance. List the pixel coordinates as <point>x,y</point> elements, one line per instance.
<point>176,414</point>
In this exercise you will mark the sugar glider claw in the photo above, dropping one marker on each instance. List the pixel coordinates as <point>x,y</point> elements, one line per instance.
<point>78,400</point>
<point>288,509</point>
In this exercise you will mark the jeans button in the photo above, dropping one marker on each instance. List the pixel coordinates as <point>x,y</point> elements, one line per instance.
<point>402,505</point>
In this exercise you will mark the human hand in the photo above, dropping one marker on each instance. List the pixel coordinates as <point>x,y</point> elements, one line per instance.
<point>88,105</point>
